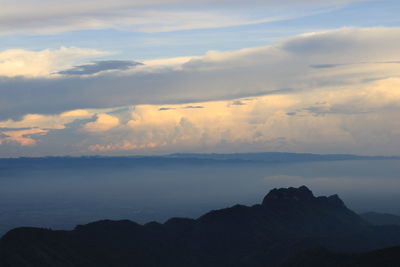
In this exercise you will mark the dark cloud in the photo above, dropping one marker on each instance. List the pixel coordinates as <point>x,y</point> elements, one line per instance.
<point>315,110</point>
<point>163,109</point>
<point>15,129</point>
<point>238,103</point>
<point>382,62</point>
<point>329,66</point>
<point>325,66</point>
<point>189,107</point>
<point>98,66</point>
<point>51,96</point>
<point>343,109</point>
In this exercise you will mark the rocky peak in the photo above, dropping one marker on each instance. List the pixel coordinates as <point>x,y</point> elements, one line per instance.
<point>291,194</point>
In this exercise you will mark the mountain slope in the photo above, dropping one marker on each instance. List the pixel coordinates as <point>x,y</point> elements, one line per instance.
<point>320,257</point>
<point>381,218</point>
<point>288,221</point>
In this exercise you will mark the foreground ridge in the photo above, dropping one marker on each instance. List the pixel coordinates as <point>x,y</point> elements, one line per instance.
<point>287,222</point>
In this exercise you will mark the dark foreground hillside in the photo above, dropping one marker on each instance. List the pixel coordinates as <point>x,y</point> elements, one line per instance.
<point>320,257</point>
<point>287,223</point>
<point>381,218</point>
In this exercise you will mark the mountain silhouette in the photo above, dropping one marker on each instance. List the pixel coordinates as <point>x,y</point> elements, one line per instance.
<point>289,221</point>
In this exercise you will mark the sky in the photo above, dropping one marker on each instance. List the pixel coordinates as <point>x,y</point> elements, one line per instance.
<point>156,77</point>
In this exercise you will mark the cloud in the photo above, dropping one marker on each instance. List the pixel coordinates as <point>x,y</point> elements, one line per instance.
<point>34,16</point>
<point>238,103</point>
<point>327,66</point>
<point>99,66</point>
<point>31,64</point>
<point>292,107</point>
<point>282,67</point>
<point>21,137</point>
<point>344,120</point>
<point>267,123</point>
<point>375,97</point>
<point>30,127</point>
<point>191,107</point>
<point>46,121</point>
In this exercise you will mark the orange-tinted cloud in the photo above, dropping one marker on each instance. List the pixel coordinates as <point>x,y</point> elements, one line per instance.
<point>22,137</point>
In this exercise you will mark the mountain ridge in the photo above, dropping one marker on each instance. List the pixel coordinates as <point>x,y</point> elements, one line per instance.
<point>287,221</point>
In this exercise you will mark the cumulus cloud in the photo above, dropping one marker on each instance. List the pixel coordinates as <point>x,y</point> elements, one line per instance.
<point>264,123</point>
<point>34,16</point>
<point>346,120</point>
<point>31,127</point>
<point>104,122</point>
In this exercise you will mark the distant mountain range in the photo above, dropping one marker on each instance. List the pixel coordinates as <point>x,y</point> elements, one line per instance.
<point>264,157</point>
<point>291,227</point>
<point>276,157</point>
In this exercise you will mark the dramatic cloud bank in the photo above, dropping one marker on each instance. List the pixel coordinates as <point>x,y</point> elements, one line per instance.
<point>336,91</point>
<point>355,57</point>
<point>341,120</point>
